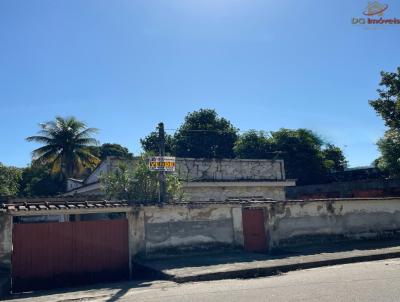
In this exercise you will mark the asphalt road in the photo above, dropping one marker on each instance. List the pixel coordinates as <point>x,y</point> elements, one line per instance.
<point>367,281</point>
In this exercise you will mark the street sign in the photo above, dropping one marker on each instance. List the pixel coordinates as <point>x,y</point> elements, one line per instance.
<point>162,163</point>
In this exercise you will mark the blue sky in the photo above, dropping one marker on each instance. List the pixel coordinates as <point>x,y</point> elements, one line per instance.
<point>124,66</point>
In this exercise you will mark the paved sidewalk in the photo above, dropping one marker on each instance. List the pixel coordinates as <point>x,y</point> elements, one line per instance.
<point>240,264</point>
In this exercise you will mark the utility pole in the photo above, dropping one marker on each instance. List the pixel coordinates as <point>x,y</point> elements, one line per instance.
<point>161,140</point>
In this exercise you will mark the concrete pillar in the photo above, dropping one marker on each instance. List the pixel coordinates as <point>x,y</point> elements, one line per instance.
<point>5,253</point>
<point>237,226</point>
<point>136,234</point>
<point>5,241</point>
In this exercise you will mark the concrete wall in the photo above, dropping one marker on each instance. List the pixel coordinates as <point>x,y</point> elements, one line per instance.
<point>210,192</point>
<point>349,189</point>
<point>137,243</point>
<point>172,229</point>
<point>175,229</point>
<point>190,169</point>
<point>297,223</point>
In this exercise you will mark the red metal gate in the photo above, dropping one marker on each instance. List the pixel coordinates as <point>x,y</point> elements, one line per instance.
<point>47,255</point>
<point>255,239</point>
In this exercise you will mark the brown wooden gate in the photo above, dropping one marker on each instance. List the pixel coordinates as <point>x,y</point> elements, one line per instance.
<point>47,255</point>
<point>255,239</point>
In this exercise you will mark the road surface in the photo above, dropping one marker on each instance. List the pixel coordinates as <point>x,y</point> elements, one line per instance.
<point>367,281</point>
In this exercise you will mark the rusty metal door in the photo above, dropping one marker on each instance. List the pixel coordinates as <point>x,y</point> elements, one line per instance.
<point>47,255</point>
<point>255,239</point>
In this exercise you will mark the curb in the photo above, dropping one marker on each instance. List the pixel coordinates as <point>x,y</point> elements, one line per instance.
<point>275,270</point>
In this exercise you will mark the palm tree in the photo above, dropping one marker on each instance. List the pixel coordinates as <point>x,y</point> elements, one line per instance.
<point>66,146</point>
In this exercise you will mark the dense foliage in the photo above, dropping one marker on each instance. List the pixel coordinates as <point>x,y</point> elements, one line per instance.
<point>255,144</point>
<point>204,134</point>
<point>107,149</point>
<point>37,180</point>
<point>334,159</point>
<point>389,145</point>
<point>151,143</point>
<point>388,103</point>
<point>388,107</point>
<point>10,178</point>
<point>304,156</point>
<point>307,157</point>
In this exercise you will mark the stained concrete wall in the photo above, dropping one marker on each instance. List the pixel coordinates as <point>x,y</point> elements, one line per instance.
<point>237,226</point>
<point>191,169</point>
<point>136,232</point>
<point>5,242</point>
<point>207,192</point>
<point>297,223</point>
<point>173,229</point>
<point>195,169</point>
<point>348,189</point>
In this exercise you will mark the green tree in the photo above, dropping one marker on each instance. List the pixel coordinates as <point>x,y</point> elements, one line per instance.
<point>307,157</point>
<point>388,107</point>
<point>334,159</point>
<point>37,180</point>
<point>9,180</point>
<point>389,146</point>
<point>254,144</point>
<point>66,146</point>
<point>301,151</point>
<point>135,183</point>
<point>107,149</point>
<point>150,143</point>
<point>205,135</point>
<point>388,103</point>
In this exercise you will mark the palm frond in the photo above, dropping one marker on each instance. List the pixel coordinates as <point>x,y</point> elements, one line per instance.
<point>45,149</point>
<point>40,139</point>
<point>87,141</point>
<point>87,133</point>
<point>65,142</point>
<point>70,122</point>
